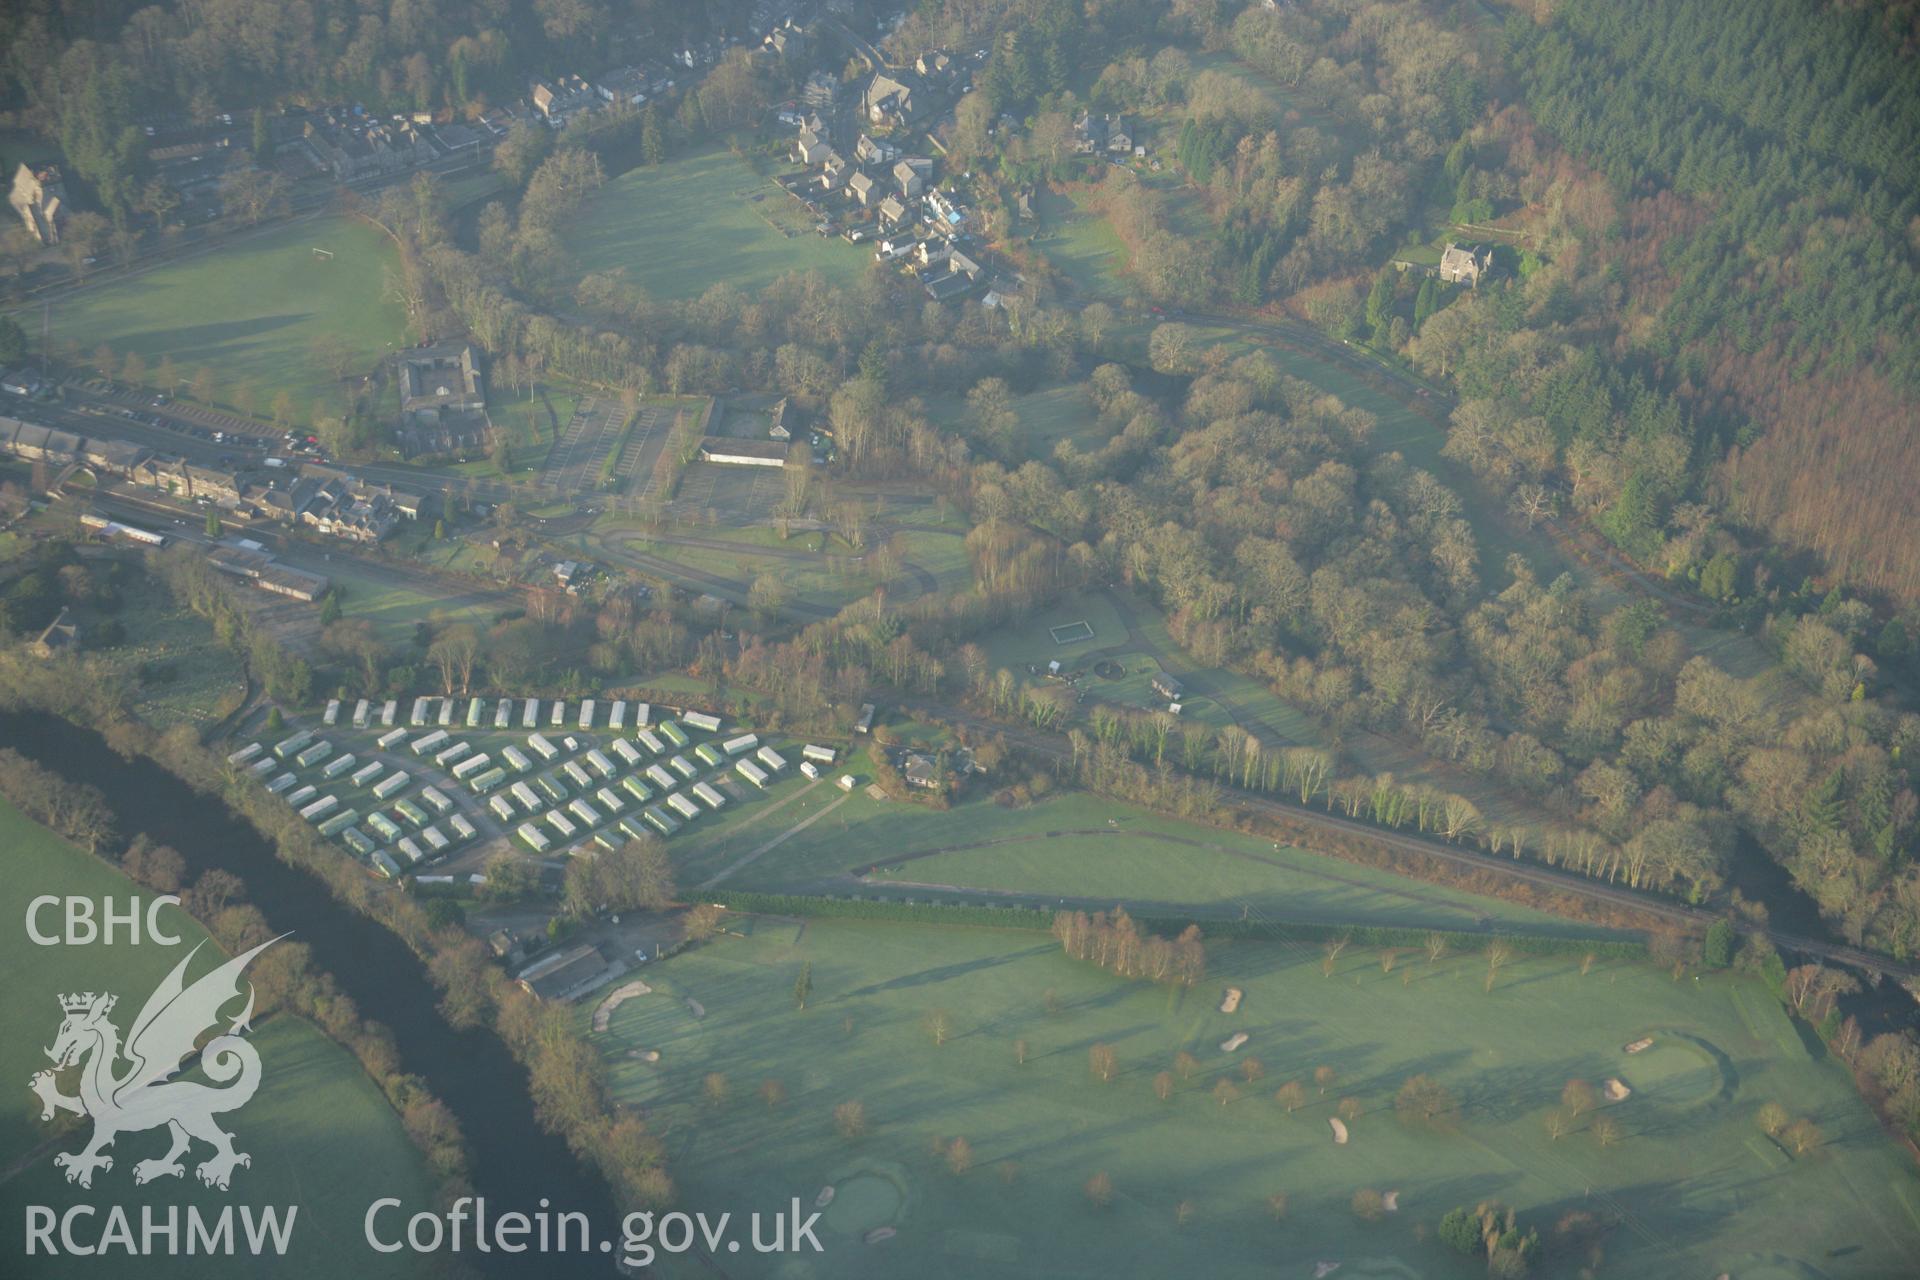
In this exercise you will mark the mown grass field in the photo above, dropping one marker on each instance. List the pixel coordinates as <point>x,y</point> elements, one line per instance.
<point>1081,244</point>
<point>320,1134</point>
<point>252,311</point>
<point>703,219</point>
<point>1693,1185</point>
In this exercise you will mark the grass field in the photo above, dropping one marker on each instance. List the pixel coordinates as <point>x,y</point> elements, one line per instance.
<point>1081,244</point>
<point>177,676</point>
<point>252,310</point>
<point>320,1134</point>
<point>1694,1186</point>
<point>700,220</point>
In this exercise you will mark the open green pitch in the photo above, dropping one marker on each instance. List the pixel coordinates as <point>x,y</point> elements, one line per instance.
<point>319,1132</point>
<point>1692,1185</point>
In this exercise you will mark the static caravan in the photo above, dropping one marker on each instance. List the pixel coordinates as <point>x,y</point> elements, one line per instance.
<point>674,733</point>
<point>661,778</point>
<point>516,758</point>
<point>741,745</point>
<point>503,714</point>
<point>430,742</point>
<point>530,714</point>
<point>357,841</point>
<point>462,829</point>
<point>502,808</point>
<point>360,712</point>
<point>421,707</point>
<point>709,755</point>
<point>300,795</point>
<point>411,847</point>
<point>751,772</point>
<point>543,747</point>
<point>708,795</point>
<point>702,721</point>
<point>338,822</point>
<point>535,838</point>
<point>683,806</point>
<point>337,766</point>
<point>389,712</point>
<point>652,741</point>
<point>436,842</point>
<point>487,780</point>
<point>314,754</point>
<point>642,714</point>
<point>580,777</point>
<point>476,712</point>
<point>413,813</point>
<point>809,768</point>
<point>368,772</point>
<point>552,787</point>
<point>391,785</point>
<point>629,756</point>
<point>598,762</point>
<point>605,841</point>
<point>631,830</point>
<point>391,739</point>
<point>384,864</point>
<point>384,827</point>
<point>774,761</point>
<point>456,751</point>
<point>617,716</point>
<point>661,821</point>
<point>331,716</point>
<point>281,783</point>
<point>446,712</point>
<point>819,755</point>
<point>586,714</point>
<point>263,766</point>
<point>610,799</point>
<point>245,753</point>
<point>683,766</point>
<point>559,822</point>
<point>637,789</point>
<point>559,715</point>
<point>291,746</point>
<point>320,808</point>
<point>580,809</point>
<point>437,799</point>
<point>524,796</point>
<point>471,765</point>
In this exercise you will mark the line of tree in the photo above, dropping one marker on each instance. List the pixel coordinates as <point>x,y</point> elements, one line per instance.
<point>1115,943</point>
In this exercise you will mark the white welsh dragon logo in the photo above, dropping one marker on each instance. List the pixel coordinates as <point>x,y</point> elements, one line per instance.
<point>142,1096</point>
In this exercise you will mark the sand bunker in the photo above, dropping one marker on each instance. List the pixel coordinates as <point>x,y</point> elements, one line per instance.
<point>699,1010</point>
<point>1233,1042</point>
<point>1391,1201</point>
<point>1339,1131</point>
<point>824,1199</point>
<point>1616,1090</point>
<point>1638,1045</point>
<point>644,1055</point>
<point>603,1012</point>
<point>1230,1002</point>
<point>878,1234</point>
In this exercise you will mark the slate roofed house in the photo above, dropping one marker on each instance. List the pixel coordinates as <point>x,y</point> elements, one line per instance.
<point>1465,265</point>
<point>833,171</point>
<point>863,188</point>
<point>821,90</point>
<point>439,381</point>
<point>872,151</point>
<point>887,100</point>
<point>810,149</point>
<point>893,211</point>
<point>1103,133</point>
<point>934,63</point>
<point>1168,687</point>
<point>920,771</point>
<point>624,86</point>
<point>781,427</point>
<point>562,98</point>
<point>911,175</point>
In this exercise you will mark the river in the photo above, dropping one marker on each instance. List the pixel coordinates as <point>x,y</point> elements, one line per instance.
<point>513,1162</point>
